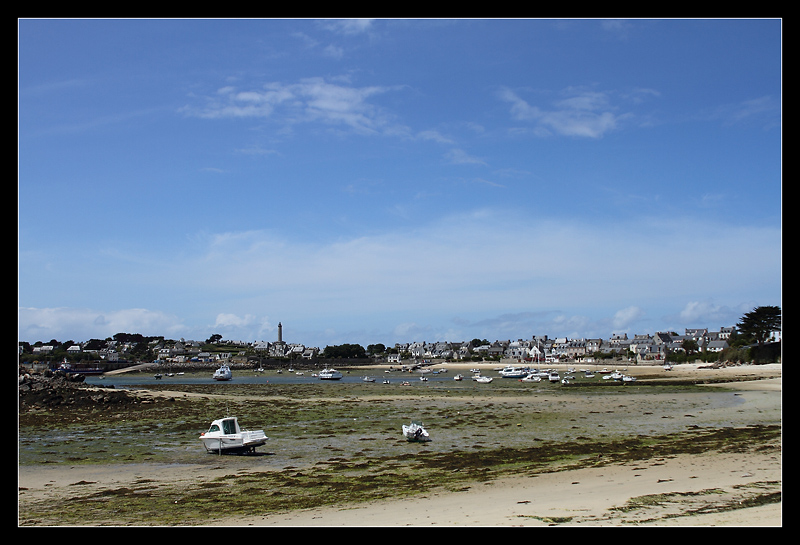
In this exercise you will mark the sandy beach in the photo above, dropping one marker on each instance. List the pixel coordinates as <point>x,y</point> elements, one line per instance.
<point>680,490</point>
<point>587,497</point>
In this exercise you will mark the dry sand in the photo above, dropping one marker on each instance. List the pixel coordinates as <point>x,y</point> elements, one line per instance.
<point>581,497</point>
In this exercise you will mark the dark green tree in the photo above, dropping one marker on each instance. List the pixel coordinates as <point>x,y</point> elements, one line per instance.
<point>759,323</point>
<point>345,351</point>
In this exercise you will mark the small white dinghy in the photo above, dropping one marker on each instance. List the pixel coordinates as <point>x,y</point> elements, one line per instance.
<point>225,435</point>
<point>415,432</point>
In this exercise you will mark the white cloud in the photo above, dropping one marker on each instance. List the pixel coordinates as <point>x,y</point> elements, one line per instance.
<point>349,27</point>
<point>461,157</point>
<point>625,317</point>
<point>698,312</point>
<point>83,324</point>
<point>582,113</point>
<point>309,100</point>
<point>536,276</point>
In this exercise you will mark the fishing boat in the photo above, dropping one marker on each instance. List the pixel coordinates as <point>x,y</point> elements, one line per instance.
<point>223,373</point>
<point>225,435</point>
<point>532,377</point>
<point>483,380</point>
<point>415,433</point>
<point>628,378</point>
<point>458,377</point>
<point>329,374</point>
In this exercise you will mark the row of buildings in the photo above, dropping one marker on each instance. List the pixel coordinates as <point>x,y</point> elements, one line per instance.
<point>538,348</point>
<point>541,348</point>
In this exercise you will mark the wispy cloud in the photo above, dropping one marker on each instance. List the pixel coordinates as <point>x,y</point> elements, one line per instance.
<point>764,110</point>
<point>580,113</point>
<point>461,157</point>
<point>308,101</point>
<point>349,27</point>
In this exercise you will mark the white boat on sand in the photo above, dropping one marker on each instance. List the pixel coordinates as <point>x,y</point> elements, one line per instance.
<point>483,380</point>
<point>532,377</point>
<point>225,435</point>
<point>414,432</point>
<point>223,373</point>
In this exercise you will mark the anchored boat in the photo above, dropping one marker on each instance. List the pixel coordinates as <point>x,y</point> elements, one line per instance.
<point>329,374</point>
<point>223,373</point>
<point>513,372</point>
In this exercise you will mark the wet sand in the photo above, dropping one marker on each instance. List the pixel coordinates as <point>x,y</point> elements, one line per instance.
<point>576,497</point>
<point>589,497</point>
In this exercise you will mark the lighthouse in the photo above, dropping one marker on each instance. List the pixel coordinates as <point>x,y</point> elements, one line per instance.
<point>280,333</point>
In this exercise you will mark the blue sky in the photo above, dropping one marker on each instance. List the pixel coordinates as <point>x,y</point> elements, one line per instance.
<point>382,181</point>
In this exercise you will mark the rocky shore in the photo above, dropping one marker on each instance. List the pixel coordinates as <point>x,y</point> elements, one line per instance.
<point>55,390</point>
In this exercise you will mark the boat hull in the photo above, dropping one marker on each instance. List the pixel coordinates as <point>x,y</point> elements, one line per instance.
<point>239,442</point>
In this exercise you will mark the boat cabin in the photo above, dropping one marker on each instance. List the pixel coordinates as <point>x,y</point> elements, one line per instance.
<point>228,426</point>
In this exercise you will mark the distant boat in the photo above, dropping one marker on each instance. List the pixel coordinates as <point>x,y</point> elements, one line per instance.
<point>532,377</point>
<point>329,374</point>
<point>67,368</point>
<point>513,372</point>
<point>483,380</point>
<point>223,373</point>
<point>458,377</point>
<point>553,377</point>
<point>368,379</point>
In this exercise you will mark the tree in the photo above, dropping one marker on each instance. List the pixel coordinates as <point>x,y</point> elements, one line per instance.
<point>689,346</point>
<point>759,323</point>
<point>345,351</point>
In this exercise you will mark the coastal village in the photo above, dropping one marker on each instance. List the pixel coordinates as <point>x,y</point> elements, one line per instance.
<point>640,348</point>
